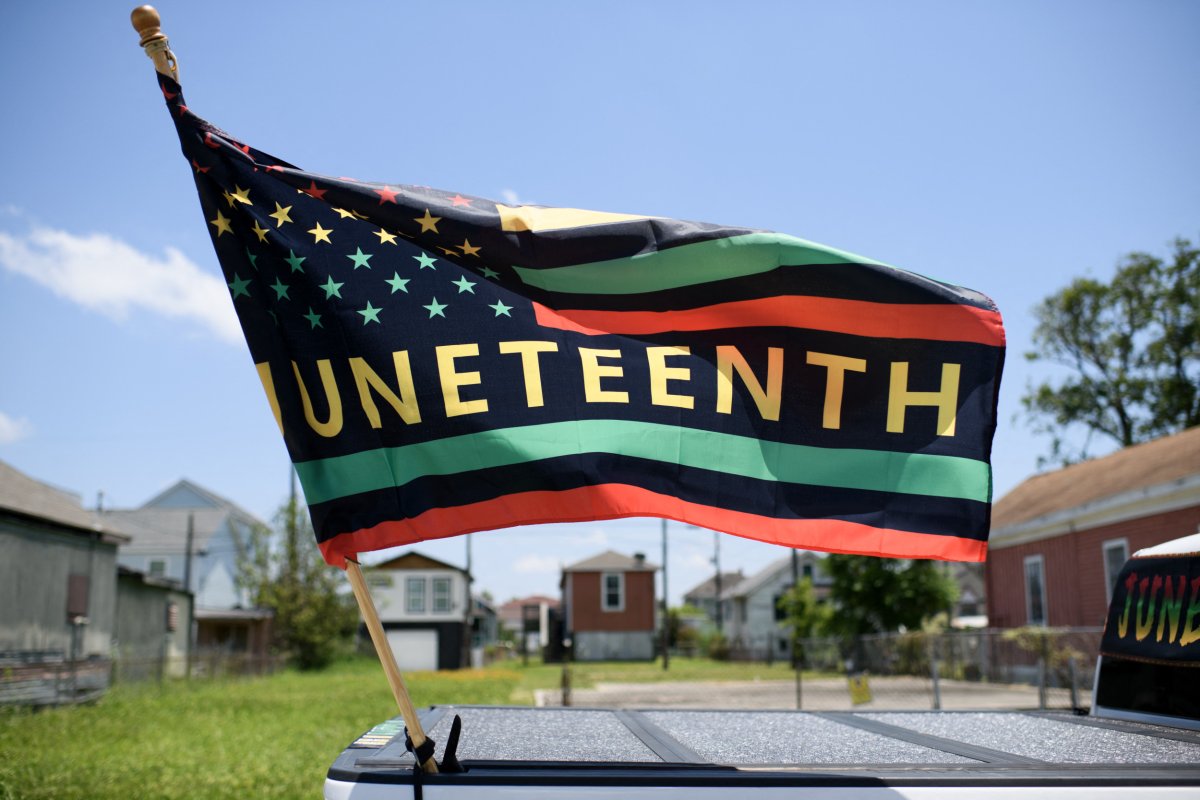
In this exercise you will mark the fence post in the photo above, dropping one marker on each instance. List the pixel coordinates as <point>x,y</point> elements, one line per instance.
<point>1072,677</point>
<point>1042,671</point>
<point>933,672</point>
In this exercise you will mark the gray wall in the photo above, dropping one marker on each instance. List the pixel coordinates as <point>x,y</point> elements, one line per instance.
<point>614,646</point>
<point>35,563</point>
<point>143,642</point>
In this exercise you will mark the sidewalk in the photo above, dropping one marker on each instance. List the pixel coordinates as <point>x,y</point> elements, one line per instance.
<point>823,694</point>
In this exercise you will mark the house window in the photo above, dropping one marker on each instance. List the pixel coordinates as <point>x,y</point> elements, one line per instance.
<point>612,591</point>
<point>415,595</point>
<point>157,567</point>
<point>1116,553</point>
<point>807,571</point>
<point>1035,590</point>
<point>441,595</point>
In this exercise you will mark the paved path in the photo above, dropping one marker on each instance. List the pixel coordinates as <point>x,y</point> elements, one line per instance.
<point>823,694</point>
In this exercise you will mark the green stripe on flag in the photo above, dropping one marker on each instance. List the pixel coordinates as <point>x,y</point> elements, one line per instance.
<point>875,470</point>
<point>688,265</point>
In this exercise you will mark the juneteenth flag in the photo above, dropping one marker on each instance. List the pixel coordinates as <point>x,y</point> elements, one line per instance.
<point>441,364</point>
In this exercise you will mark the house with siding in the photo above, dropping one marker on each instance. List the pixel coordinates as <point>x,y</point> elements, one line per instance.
<point>58,591</point>
<point>753,623</point>
<point>423,607</point>
<point>151,637</point>
<point>609,607</point>
<point>220,533</point>
<point>1059,539</point>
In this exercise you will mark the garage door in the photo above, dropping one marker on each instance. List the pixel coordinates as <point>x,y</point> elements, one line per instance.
<point>414,649</point>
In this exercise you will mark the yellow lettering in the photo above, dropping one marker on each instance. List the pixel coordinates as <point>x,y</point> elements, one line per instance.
<point>366,379</point>
<point>593,372</point>
<point>1191,631</point>
<point>945,399</point>
<point>835,382</point>
<point>660,373</point>
<point>530,367</point>
<point>1145,622</point>
<point>333,426</point>
<point>729,359</point>
<point>452,380</point>
<point>1172,607</point>
<point>268,384</point>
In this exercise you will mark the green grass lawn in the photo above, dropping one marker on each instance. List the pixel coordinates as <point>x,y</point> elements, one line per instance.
<point>271,737</point>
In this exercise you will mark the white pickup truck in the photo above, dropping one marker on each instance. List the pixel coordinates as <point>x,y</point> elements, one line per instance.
<point>1141,741</point>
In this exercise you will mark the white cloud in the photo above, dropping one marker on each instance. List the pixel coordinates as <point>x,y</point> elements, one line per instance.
<point>534,563</point>
<point>12,430</point>
<point>510,197</point>
<point>106,275</point>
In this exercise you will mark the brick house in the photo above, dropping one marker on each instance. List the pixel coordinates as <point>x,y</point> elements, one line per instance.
<point>1059,539</point>
<point>609,607</point>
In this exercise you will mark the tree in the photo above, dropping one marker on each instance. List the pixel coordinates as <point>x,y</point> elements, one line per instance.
<point>284,572</point>
<point>881,595</point>
<point>804,614</point>
<point>1132,346</point>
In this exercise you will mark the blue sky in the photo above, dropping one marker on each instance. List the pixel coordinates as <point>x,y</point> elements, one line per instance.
<point>1007,147</point>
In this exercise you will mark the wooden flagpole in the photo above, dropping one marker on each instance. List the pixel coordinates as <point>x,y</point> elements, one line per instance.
<point>147,23</point>
<point>366,606</point>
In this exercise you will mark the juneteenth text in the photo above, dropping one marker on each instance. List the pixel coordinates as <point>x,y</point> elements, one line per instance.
<point>604,380</point>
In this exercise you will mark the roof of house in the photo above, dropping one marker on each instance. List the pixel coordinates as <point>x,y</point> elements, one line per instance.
<point>708,588</point>
<point>414,560</point>
<point>611,560</point>
<point>1141,466</point>
<point>30,497</point>
<point>160,524</point>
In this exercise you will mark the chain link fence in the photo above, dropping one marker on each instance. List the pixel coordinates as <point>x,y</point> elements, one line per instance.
<point>42,678</point>
<point>1020,668</point>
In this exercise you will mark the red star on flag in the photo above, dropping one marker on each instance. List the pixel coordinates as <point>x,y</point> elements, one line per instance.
<point>313,191</point>
<point>387,195</point>
<point>459,200</point>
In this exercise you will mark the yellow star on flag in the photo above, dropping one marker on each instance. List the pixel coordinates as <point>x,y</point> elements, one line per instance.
<point>281,215</point>
<point>241,195</point>
<point>321,234</point>
<point>344,214</point>
<point>222,224</point>
<point>260,231</point>
<point>428,222</point>
<point>385,237</point>
<point>468,250</point>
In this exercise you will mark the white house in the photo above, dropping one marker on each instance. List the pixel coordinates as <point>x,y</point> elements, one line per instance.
<point>220,534</point>
<point>752,620</point>
<point>423,607</point>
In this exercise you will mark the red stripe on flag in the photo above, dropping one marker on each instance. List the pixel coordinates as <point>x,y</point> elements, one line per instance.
<point>939,322</point>
<point>615,501</point>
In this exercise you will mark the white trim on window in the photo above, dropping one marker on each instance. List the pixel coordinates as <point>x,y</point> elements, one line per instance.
<point>414,595</point>
<point>1036,612</point>
<point>1111,569</point>
<point>442,596</point>
<point>612,587</point>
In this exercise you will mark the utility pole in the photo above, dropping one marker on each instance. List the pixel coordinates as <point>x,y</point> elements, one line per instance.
<point>717,564</point>
<point>666,608</point>
<point>187,588</point>
<point>468,638</point>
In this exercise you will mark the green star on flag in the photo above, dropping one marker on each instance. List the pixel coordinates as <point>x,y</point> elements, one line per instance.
<point>281,290</point>
<point>464,285</point>
<point>426,260</point>
<point>238,287</point>
<point>332,288</point>
<point>397,283</point>
<point>500,308</point>
<point>435,309</point>
<point>314,318</point>
<point>370,313</point>
<point>296,261</point>
<point>360,258</point>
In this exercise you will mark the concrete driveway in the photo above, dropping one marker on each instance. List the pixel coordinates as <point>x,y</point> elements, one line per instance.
<point>823,694</point>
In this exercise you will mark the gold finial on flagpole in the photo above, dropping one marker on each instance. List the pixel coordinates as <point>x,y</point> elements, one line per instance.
<point>146,22</point>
